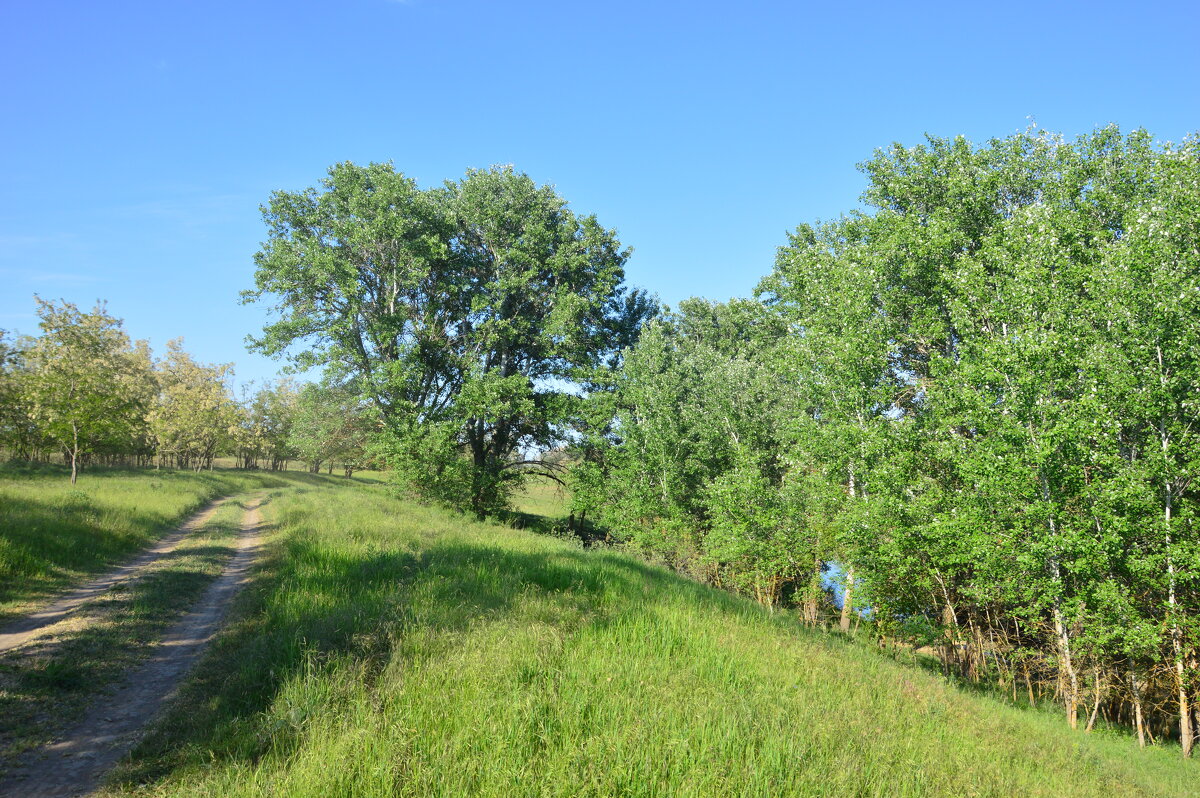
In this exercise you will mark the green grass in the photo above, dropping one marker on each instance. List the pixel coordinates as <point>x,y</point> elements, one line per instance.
<point>387,649</point>
<point>53,534</point>
<point>47,684</point>
<point>542,497</point>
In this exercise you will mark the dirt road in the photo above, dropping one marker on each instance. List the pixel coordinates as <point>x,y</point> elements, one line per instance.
<point>24,629</point>
<point>75,764</point>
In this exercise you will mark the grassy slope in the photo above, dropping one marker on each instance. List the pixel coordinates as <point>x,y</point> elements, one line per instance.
<point>389,650</point>
<point>53,534</point>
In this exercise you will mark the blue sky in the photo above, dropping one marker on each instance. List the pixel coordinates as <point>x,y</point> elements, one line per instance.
<point>140,138</point>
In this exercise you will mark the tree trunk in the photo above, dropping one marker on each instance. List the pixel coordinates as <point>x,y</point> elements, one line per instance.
<point>74,451</point>
<point>1185,712</point>
<point>848,595</point>
<point>809,607</point>
<point>1135,692</point>
<point>847,601</point>
<point>1096,703</point>
<point>1068,678</point>
<point>1067,675</point>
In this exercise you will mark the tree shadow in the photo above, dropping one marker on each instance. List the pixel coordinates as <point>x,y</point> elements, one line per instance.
<point>585,531</point>
<point>47,544</point>
<point>53,543</point>
<point>309,605</point>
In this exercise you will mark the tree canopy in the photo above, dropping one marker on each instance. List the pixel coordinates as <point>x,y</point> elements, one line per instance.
<point>471,314</point>
<point>85,386</point>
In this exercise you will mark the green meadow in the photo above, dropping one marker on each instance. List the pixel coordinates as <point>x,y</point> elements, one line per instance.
<point>391,649</point>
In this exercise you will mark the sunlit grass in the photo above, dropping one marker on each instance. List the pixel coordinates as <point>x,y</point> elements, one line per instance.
<point>47,684</point>
<point>53,534</point>
<point>389,649</point>
<point>541,496</point>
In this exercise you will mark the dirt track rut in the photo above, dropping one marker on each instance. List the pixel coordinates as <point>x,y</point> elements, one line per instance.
<point>23,630</point>
<point>75,764</point>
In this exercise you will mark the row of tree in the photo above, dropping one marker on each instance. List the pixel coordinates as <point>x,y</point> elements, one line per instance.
<point>980,399</point>
<point>83,391</point>
<point>974,402</point>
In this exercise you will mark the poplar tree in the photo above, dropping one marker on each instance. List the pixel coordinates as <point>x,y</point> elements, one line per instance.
<point>984,403</point>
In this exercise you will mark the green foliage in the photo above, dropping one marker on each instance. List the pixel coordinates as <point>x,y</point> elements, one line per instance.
<point>83,392</point>
<point>264,427</point>
<point>17,433</point>
<point>463,313</point>
<point>193,417</point>
<point>696,468</point>
<point>978,398</point>
<point>86,386</point>
<point>756,535</point>
<point>330,424</point>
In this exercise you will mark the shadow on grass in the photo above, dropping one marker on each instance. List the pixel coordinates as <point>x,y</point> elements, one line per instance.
<point>55,541</point>
<point>49,541</point>
<point>585,532</point>
<point>309,605</point>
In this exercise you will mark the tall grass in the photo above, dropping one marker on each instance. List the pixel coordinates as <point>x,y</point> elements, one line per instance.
<point>389,649</point>
<point>53,534</point>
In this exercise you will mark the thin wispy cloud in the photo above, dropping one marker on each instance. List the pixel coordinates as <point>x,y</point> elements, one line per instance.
<point>190,212</point>
<point>34,277</point>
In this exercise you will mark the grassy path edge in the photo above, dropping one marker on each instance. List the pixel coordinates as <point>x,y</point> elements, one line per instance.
<point>74,764</point>
<point>24,628</point>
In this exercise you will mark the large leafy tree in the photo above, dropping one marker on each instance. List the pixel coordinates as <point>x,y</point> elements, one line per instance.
<point>827,286</point>
<point>330,426</point>
<point>695,468</point>
<point>983,401</point>
<point>468,313</point>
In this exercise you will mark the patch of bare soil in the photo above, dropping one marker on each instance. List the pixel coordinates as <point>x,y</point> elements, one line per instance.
<point>75,764</point>
<point>26,628</point>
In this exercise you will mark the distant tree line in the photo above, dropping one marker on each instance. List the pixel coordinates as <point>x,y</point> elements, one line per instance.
<point>84,392</point>
<point>972,404</point>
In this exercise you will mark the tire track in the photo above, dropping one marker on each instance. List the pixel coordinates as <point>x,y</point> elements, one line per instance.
<point>21,631</point>
<point>75,764</point>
